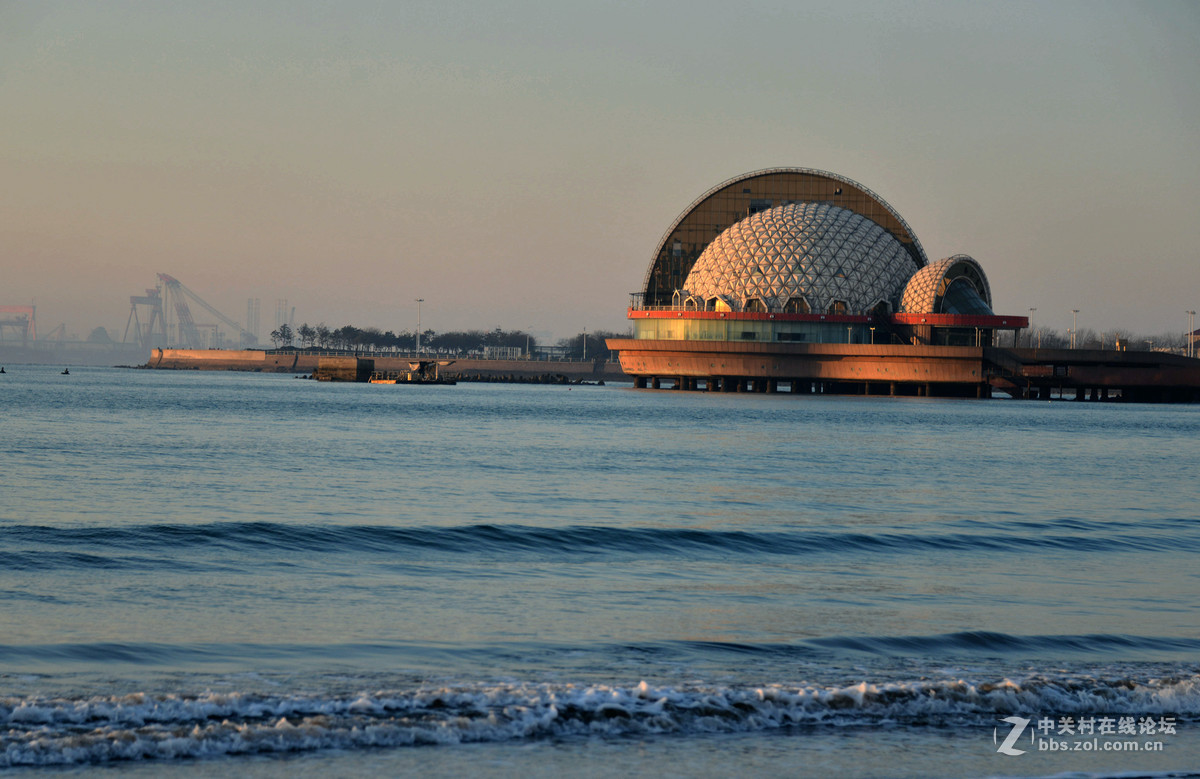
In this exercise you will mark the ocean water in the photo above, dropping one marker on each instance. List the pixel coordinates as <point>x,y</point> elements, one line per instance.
<point>209,573</point>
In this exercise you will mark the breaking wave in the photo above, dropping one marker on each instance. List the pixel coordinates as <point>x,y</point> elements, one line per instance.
<point>93,730</point>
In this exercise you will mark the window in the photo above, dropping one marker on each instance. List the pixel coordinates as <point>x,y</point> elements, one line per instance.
<point>749,335</point>
<point>755,305</point>
<point>758,204</point>
<point>797,306</point>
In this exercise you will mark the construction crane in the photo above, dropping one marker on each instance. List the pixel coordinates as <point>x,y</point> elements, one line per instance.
<point>147,337</point>
<point>178,295</point>
<point>19,318</point>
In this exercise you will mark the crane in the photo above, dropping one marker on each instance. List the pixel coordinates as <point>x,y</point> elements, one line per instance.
<point>179,295</point>
<point>155,331</point>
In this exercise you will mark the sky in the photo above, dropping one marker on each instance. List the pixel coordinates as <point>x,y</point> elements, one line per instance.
<point>515,164</point>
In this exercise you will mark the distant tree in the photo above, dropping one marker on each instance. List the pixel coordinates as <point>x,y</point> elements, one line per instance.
<point>1046,338</point>
<point>282,335</point>
<point>322,335</point>
<point>1120,339</point>
<point>596,349</point>
<point>307,335</point>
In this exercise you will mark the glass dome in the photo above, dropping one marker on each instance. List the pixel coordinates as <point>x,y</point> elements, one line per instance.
<point>801,258</point>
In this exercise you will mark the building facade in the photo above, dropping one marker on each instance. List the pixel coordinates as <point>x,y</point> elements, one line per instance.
<point>785,272</point>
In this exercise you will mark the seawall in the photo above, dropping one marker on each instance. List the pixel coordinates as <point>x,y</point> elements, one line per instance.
<point>307,362</point>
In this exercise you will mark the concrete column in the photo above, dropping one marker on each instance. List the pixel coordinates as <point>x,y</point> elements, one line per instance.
<point>640,382</point>
<point>655,383</point>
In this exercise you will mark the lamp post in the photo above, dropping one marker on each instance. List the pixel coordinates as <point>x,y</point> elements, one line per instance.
<point>419,302</point>
<point>1032,329</point>
<point>872,335</point>
<point>1191,337</point>
<point>1074,315</point>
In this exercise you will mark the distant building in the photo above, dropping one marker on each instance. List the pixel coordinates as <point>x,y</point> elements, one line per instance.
<point>768,276</point>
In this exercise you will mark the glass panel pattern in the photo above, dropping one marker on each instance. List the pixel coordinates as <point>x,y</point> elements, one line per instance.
<point>817,252</point>
<point>929,290</point>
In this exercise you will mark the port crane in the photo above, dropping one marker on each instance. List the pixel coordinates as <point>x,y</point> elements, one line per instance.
<point>179,294</point>
<point>172,296</point>
<point>154,332</point>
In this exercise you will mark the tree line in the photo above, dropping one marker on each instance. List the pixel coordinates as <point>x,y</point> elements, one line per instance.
<point>1087,338</point>
<point>455,342</point>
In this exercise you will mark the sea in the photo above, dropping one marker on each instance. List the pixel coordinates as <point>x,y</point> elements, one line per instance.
<point>213,574</point>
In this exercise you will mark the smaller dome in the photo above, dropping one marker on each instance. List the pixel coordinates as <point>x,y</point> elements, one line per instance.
<point>955,285</point>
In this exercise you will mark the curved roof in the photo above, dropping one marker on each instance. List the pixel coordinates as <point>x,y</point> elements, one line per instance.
<point>733,200</point>
<point>955,285</point>
<point>803,257</point>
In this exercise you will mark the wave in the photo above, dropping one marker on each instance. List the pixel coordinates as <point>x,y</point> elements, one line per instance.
<point>91,730</point>
<point>86,547</point>
<point>965,645</point>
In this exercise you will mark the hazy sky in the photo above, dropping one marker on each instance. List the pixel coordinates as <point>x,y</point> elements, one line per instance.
<point>514,164</point>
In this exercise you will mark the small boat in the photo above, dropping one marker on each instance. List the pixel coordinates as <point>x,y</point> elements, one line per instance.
<point>419,372</point>
<point>66,372</point>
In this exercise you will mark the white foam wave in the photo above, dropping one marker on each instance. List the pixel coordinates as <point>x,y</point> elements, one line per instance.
<point>46,731</point>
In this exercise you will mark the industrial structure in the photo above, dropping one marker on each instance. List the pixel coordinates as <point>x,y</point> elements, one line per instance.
<point>20,320</point>
<point>162,317</point>
<point>805,279</point>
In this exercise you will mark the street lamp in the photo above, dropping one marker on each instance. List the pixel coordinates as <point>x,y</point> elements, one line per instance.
<point>1191,334</point>
<point>419,302</point>
<point>1074,314</point>
<point>872,335</point>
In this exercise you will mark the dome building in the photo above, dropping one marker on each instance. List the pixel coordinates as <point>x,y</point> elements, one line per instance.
<point>800,258</point>
<point>807,278</point>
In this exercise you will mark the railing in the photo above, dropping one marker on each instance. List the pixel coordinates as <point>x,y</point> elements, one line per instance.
<point>426,354</point>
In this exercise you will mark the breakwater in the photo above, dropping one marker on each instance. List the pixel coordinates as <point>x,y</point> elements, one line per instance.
<point>465,369</point>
